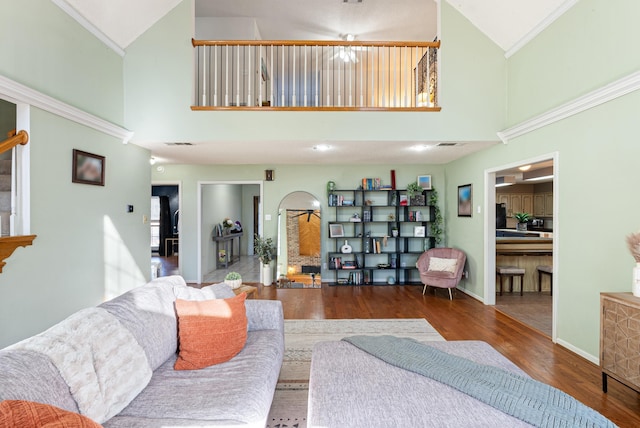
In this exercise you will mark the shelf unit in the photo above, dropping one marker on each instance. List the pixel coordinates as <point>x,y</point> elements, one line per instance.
<point>377,257</point>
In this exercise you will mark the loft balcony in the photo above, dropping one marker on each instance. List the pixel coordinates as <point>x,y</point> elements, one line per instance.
<point>315,75</point>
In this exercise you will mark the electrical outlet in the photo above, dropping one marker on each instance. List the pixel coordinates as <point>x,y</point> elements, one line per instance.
<point>466,274</point>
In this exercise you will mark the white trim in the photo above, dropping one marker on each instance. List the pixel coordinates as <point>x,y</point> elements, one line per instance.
<point>180,235</point>
<point>542,25</point>
<point>199,216</point>
<point>19,93</point>
<point>602,95</point>
<point>579,351</point>
<point>490,231</point>
<point>69,10</point>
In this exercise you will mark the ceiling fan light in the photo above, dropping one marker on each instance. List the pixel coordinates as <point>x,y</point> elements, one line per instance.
<point>322,147</point>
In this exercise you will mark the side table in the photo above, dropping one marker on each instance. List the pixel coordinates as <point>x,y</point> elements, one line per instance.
<point>250,290</point>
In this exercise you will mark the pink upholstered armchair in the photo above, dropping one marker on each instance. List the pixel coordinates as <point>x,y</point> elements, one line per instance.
<point>441,267</point>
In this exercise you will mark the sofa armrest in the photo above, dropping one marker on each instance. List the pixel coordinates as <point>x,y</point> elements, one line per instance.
<point>265,315</point>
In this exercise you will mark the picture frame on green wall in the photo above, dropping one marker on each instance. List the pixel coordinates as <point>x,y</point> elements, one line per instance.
<point>465,197</point>
<point>88,168</point>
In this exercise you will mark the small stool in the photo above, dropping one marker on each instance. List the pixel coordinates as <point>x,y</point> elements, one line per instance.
<point>546,270</point>
<point>510,272</point>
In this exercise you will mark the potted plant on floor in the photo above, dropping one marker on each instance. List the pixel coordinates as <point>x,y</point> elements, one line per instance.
<point>264,249</point>
<point>522,219</point>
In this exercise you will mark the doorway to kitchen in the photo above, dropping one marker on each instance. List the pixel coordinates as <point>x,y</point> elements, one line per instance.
<point>522,242</point>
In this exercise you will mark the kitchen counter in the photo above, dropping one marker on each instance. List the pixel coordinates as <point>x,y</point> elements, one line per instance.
<point>527,233</point>
<point>526,252</point>
<point>526,245</point>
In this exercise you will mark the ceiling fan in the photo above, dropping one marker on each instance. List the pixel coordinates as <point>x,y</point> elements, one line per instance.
<point>348,53</point>
<point>308,213</point>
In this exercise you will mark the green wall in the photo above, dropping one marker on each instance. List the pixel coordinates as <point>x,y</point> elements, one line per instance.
<point>158,81</point>
<point>596,172</point>
<point>289,178</point>
<point>87,248</point>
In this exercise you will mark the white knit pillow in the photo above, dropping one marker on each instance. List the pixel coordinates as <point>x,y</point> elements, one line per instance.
<point>443,265</point>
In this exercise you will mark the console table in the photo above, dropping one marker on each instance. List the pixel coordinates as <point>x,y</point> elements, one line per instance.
<point>226,241</point>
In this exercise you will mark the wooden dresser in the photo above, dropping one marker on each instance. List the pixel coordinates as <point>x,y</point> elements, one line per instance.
<point>620,339</point>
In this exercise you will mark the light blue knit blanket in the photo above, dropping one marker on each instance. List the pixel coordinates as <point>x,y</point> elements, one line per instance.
<point>524,398</point>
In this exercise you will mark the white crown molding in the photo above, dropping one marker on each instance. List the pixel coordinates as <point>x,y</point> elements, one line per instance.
<point>540,27</point>
<point>602,95</point>
<point>19,93</point>
<point>69,10</point>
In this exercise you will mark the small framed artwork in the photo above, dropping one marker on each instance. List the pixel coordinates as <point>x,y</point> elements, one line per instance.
<point>87,168</point>
<point>424,181</point>
<point>465,204</point>
<point>419,231</point>
<point>336,231</point>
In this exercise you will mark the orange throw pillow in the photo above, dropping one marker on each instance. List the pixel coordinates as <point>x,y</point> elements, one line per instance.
<point>29,414</point>
<point>210,331</point>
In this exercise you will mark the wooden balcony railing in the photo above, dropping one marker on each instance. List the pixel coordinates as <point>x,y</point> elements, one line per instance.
<point>316,75</point>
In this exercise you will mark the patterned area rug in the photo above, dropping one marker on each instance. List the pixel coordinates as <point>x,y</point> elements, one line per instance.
<point>289,408</point>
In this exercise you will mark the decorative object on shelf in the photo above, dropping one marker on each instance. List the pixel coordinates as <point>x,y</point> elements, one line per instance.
<point>355,218</point>
<point>264,249</point>
<point>522,219</point>
<point>465,200</point>
<point>424,181</point>
<point>391,280</point>
<point>633,242</point>
<point>435,228</point>
<point>227,224</point>
<point>331,186</point>
<point>391,217</point>
<point>393,200</point>
<point>336,231</point>
<point>419,231</point>
<point>414,192</point>
<point>393,179</point>
<point>87,168</point>
<point>233,280</point>
<point>346,248</point>
<point>394,231</point>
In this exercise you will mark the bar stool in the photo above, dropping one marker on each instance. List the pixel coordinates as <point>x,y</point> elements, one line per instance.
<point>548,270</point>
<point>510,272</point>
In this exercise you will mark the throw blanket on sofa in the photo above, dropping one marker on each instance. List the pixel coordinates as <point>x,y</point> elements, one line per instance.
<point>98,358</point>
<point>534,402</point>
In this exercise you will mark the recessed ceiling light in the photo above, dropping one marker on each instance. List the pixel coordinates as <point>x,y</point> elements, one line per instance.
<point>421,147</point>
<point>322,147</point>
<point>152,161</point>
<point>525,168</point>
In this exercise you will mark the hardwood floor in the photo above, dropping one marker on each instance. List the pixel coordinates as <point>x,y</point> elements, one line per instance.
<point>465,318</point>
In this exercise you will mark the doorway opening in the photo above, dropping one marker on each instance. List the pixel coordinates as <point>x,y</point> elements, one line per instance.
<point>241,203</point>
<point>521,241</point>
<point>165,229</point>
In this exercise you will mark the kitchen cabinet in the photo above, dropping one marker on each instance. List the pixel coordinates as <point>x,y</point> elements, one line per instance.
<point>619,330</point>
<point>527,203</point>
<point>516,202</point>
<point>543,204</point>
<point>548,204</point>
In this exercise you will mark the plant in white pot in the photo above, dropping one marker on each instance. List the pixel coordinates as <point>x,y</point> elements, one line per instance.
<point>264,249</point>
<point>233,280</point>
<point>522,219</point>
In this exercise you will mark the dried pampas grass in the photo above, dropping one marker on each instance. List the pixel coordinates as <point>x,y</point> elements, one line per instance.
<point>633,242</point>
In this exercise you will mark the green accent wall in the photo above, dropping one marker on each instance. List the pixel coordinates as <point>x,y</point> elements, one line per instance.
<point>88,248</point>
<point>597,168</point>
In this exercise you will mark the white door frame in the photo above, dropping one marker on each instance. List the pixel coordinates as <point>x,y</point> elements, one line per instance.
<point>180,234</point>
<point>201,184</point>
<point>490,231</point>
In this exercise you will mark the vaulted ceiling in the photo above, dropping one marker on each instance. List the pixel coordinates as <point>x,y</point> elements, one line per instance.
<point>508,23</point>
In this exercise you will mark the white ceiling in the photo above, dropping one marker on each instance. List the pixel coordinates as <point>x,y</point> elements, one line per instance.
<point>509,23</point>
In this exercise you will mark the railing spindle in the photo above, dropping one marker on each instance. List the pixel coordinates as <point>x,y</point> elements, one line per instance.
<point>226,76</point>
<point>204,76</point>
<point>282,103</point>
<point>317,75</point>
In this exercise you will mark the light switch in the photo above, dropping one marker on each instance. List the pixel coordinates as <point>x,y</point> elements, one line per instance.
<point>267,217</point>
<point>145,219</point>
<point>479,209</point>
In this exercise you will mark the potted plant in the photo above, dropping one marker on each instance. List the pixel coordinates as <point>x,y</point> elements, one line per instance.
<point>522,219</point>
<point>233,280</point>
<point>414,193</point>
<point>264,249</point>
<point>394,231</point>
<point>435,228</point>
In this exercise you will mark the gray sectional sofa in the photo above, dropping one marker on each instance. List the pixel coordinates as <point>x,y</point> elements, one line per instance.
<point>114,363</point>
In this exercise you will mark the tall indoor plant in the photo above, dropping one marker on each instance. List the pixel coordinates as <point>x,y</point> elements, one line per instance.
<point>264,249</point>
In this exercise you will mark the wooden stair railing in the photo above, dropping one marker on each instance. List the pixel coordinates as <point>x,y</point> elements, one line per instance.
<point>14,138</point>
<point>8,244</point>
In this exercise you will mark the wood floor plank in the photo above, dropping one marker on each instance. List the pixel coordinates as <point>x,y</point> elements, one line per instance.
<point>464,318</point>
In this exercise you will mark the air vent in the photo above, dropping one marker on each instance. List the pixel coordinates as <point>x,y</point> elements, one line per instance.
<point>179,144</point>
<point>351,1</point>
<point>447,144</point>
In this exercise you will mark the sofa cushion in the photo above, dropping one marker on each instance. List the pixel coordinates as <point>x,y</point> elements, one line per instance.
<point>214,291</point>
<point>20,413</point>
<point>239,390</point>
<point>148,313</point>
<point>30,375</point>
<point>210,331</point>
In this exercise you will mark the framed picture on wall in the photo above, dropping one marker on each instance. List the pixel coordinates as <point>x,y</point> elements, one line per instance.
<point>336,231</point>
<point>424,181</point>
<point>465,200</point>
<point>87,168</point>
